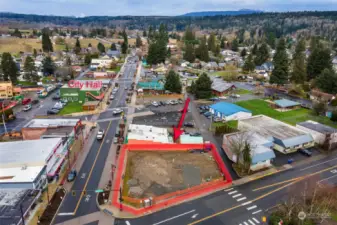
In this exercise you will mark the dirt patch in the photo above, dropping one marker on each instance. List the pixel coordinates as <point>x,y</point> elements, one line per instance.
<point>51,209</point>
<point>150,174</point>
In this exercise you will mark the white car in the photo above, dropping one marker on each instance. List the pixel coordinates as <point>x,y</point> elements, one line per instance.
<point>27,107</point>
<point>117,111</point>
<point>112,97</point>
<point>155,104</point>
<point>235,96</point>
<point>100,134</point>
<point>115,140</point>
<point>223,97</point>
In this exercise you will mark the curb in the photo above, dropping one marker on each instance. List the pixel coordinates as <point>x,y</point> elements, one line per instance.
<point>66,192</point>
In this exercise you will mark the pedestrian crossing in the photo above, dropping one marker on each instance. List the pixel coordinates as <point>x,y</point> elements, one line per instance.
<point>249,205</point>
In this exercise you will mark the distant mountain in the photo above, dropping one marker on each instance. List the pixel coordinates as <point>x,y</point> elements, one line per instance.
<point>223,13</point>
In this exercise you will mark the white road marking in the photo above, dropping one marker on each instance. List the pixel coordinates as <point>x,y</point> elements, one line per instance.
<point>318,164</point>
<point>326,179</point>
<point>235,196</point>
<point>127,222</point>
<point>333,171</point>
<point>83,175</point>
<point>252,207</point>
<point>66,214</point>
<point>255,220</point>
<point>229,189</point>
<point>246,203</point>
<point>240,224</point>
<point>174,217</point>
<point>107,141</point>
<point>241,199</point>
<point>251,222</point>
<point>256,212</point>
<point>194,216</point>
<point>87,198</point>
<point>233,192</point>
<point>245,223</point>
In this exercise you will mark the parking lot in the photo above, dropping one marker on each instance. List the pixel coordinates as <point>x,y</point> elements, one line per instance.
<point>282,159</point>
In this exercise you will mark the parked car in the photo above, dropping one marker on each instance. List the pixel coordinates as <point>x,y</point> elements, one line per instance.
<point>100,135</point>
<point>162,103</point>
<point>214,99</point>
<point>71,176</point>
<point>27,107</point>
<point>56,98</point>
<point>53,111</point>
<point>217,119</point>
<point>207,114</point>
<point>155,104</point>
<point>235,96</point>
<point>223,97</point>
<point>195,134</point>
<point>305,152</point>
<point>35,101</point>
<point>180,101</point>
<point>202,111</point>
<point>112,97</point>
<point>117,111</point>
<point>188,124</point>
<point>58,106</point>
<point>115,139</point>
<point>26,101</point>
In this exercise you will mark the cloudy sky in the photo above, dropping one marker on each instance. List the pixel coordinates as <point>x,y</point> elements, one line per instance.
<point>155,7</point>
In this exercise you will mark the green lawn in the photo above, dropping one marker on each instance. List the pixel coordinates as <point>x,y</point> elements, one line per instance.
<point>26,83</point>
<point>117,69</point>
<point>292,117</point>
<point>71,107</point>
<point>242,92</point>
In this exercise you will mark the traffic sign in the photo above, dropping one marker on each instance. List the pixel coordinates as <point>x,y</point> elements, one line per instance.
<point>99,190</point>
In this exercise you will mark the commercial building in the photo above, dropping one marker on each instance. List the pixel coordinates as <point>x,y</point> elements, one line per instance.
<point>26,164</point>
<point>7,90</point>
<point>104,62</point>
<point>261,148</point>
<point>228,111</point>
<point>284,105</point>
<point>147,134</point>
<point>150,87</point>
<point>323,135</point>
<point>286,138</point>
<point>83,90</point>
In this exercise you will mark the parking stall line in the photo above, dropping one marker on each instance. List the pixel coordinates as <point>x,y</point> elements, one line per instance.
<point>241,199</point>
<point>252,207</point>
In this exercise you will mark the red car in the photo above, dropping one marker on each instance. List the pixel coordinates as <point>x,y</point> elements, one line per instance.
<point>26,101</point>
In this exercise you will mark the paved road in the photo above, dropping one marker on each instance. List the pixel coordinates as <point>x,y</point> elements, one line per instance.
<point>92,168</point>
<point>237,205</point>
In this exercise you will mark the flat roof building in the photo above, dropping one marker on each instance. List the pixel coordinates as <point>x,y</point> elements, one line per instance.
<point>229,111</point>
<point>286,138</point>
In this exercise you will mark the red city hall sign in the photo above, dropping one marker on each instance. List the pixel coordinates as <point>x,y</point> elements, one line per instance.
<point>87,84</point>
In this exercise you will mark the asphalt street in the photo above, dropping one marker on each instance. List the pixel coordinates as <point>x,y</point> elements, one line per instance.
<point>90,173</point>
<point>244,204</point>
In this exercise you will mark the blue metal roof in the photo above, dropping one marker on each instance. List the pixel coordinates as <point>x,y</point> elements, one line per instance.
<point>284,103</point>
<point>292,142</point>
<point>266,154</point>
<point>227,108</point>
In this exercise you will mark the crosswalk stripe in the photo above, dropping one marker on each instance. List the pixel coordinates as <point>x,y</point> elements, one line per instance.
<point>245,223</point>
<point>252,207</point>
<point>235,196</point>
<point>233,192</point>
<point>257,211</point>
<point>241,199</point>
<point>255,220</point>
<point>246,203</point>
<point>229,189</point>
<point>251,222</point>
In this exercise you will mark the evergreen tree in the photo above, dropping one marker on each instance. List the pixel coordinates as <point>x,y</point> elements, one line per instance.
<point>202,51</point>
<point>47,45</point>
<point>66,48</point>
<point>151,33</point>
<point>299,74</point>
<point>235,45</point>
<point>281,65</point>
<point>217,50</point>
<point>77,48</point>
<point>169,52</point>
<point>318,60</point>
<point>222,43</point>
<point>100,47</point>
<point>254,50</point>
<point>189,53</point>
<point>271,39</point>
<point>157,52</point>
<point>211,43</point>
<point>113,47</point>
<point>173,83</point>
<point>144,33</point>
<point>249,65</point>
<point>30,70</point>
<point>68,61</point>
<point>9,68</point>
<point>262,55</point>
<point>243,53</point>
<point>48,66</point>
<point>314,43</point>
<point>125,43</point>
<point>17,33</point>
<point>193,87</point>
<point>89,45</point>
<point>327,81</point>
<point>203,87</point>
<point>189,36</point>
<point>34,53</point>
<point>87,59</point>
<point>138,41</point>
<point>152,54</point>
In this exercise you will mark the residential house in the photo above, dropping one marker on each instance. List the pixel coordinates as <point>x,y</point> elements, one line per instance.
<point>221,87</point>
<point>261,149</point>
<point>323,135</point>
<point>268,66</point>
<point>229,111</point>
<point>103,62</point>
<point>284,105</point>
<point>211,66</point>
<point>317,95</point>
<point>113,54</point>
<point>286,138</point>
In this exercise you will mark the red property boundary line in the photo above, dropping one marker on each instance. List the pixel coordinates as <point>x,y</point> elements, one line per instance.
<point>174,200</point>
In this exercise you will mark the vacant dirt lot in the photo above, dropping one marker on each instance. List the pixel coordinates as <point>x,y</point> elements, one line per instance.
<point>152,174</point>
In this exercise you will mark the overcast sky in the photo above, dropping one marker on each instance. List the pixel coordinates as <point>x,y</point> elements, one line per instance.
<point>155,7</point>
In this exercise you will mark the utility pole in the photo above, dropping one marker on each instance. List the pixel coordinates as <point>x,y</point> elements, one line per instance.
<point>68,153</point>
<point>3,118</point>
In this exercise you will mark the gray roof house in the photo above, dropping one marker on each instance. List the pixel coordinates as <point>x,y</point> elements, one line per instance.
<point>113,53</point>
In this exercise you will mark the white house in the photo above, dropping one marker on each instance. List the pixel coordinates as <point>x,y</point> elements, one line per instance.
<point>101,62</point>
<point>261,148</point>
<point>228,111</point>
